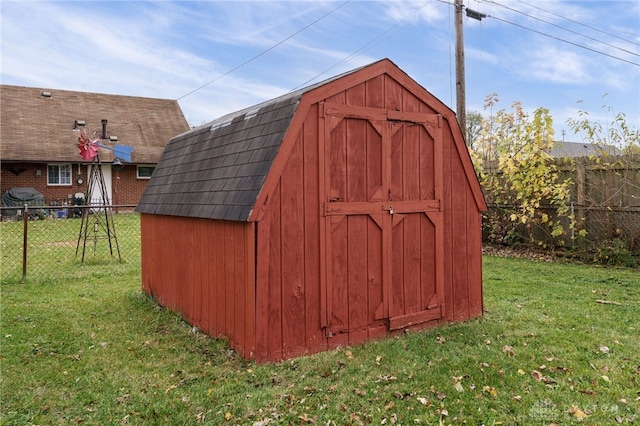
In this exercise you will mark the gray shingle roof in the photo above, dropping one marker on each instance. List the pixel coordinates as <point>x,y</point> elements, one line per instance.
<point>576,149</point>
<point>216,171</point>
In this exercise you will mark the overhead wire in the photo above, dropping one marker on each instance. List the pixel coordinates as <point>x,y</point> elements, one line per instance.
<point>253,58</point>
<point>361,49</point>
<point>581,23</point>
<point>386,34</point>
<point>266,50</point>
<point>565,41</point>
<point>564,29</point>
<point>548,35</point>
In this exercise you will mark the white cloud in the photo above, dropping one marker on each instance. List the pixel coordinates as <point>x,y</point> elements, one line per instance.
<point>168,49</point>
<point>415,11</point>
<point>554,65</point>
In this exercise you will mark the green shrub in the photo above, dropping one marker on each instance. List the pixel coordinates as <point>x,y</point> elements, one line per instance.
<point>615,252</point>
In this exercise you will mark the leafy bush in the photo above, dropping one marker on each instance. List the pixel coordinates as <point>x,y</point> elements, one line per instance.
<point>519,177</point>
<point>615,252</point>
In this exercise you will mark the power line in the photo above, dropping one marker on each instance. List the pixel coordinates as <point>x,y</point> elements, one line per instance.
<point>361,49</point>
<point>251,59</point>
<point>565,29</point>
<point>264,51</point>
<point>580,23</point>
<point>550,36</point>
<point>565,41</point>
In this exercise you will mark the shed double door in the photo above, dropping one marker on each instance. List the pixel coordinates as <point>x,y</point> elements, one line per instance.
<point>383,221</point>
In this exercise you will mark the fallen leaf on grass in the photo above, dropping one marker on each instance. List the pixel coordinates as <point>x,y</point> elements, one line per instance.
<point>508,350</point>
<point>393,419</point>
<point>123,398</point>
<point>355,419</point>
<point>458,387</point>
<point>306,419</point>
<point>491,391</point>
<point>577,413</point>
<point>539,377</point>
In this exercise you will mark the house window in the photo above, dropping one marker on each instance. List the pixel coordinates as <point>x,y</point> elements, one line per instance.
<point>145,172</point>
<point>58,174</point>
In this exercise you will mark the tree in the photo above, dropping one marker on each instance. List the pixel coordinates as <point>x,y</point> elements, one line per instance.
<point>474,128</point>
<point>527,195</point>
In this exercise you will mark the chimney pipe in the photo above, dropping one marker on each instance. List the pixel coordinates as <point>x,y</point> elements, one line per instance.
<point>104,128</point>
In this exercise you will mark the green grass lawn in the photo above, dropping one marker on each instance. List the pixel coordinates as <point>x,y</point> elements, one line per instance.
<point>93,349</point>
<point>54,249</point>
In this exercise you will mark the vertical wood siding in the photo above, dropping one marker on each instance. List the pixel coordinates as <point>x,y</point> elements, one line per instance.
<point>204,271</point>
<point>289,296</point>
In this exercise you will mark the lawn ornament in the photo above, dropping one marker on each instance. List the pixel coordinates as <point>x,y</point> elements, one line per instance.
<point>97,221</point>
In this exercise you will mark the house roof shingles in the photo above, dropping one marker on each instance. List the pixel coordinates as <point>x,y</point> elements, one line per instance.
<point>37,128</point>
<point>564,149</point>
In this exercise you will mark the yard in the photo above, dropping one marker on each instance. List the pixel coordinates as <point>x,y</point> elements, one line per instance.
<point>558,343</point>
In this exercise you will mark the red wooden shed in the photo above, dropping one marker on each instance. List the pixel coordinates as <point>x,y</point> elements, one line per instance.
<point>339,213</point>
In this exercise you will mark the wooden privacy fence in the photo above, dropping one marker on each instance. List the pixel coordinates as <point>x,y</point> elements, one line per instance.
<point>605,194</point>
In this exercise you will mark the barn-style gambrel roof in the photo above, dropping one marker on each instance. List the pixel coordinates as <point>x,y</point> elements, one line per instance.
<point>218,170</point>
<point>37,123</point>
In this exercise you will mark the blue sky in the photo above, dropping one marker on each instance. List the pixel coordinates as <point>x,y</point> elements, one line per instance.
<point>216,57</point>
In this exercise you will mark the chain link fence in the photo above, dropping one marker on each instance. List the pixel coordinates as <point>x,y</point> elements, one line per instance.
<point>49,242</point>
<point>612,233</point>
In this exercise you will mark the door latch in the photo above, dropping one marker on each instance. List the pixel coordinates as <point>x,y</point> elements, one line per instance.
<point>388,208</point>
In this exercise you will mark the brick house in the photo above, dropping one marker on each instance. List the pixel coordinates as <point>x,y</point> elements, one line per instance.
<point>39,134</point>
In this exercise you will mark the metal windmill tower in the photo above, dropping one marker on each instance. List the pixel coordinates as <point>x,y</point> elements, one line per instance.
<point>97,216</point>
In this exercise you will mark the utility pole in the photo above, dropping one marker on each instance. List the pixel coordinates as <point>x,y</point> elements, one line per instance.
<point>461,103</point>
